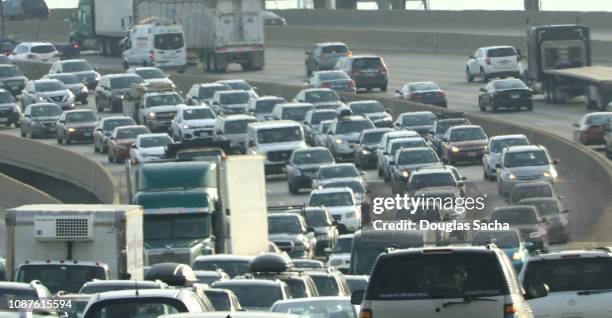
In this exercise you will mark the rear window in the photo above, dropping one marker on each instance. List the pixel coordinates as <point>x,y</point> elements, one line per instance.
<point>42,49</point>
<point>332,49</point>
<point>444,275</point>
<point>501,52</point>
<point>170,41</point>
<point>370,62</point>
<point>510,84</point>
<point>326,285</point>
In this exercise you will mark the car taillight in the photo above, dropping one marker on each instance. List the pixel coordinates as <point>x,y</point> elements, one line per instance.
<point>382,71</point>
<point>415,96</point>
<point>510,310</point>
<point>76,45</point>
<point>31,56</point>
<point>351,83</point>
<point>365,313</point>
<point>441,94</point>
<point>488,61</point>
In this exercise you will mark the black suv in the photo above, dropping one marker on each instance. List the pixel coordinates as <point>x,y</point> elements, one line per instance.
<point>304,164</point>
<point>12,79</point>
<point>368,71</point>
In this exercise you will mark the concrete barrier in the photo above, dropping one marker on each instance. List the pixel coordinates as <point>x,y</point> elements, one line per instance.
<point>61,164</point>
<point>16,193</point>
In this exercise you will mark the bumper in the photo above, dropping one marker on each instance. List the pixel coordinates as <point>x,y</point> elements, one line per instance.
<point>122,153</point>
<point>9,118</point>
<point>196,133</point>
<point>274,167</point>
<point>508,185</point>
<point>508,73</point>
<point>466,155</point>
<point>43,130</point>
<point>81,136</point>
<point>301,181</point>
<point>350,224</point>
<point>441,102</point>
<point>368,161</point>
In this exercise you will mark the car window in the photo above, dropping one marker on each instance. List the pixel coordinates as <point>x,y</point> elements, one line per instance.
<point>367,62</point>
<point>240,85</point>
<point>231,267</point>
<point>501,52</point>
<point>331,199</point>
<point>343,245</point>
<point>156,141</point>
<point>312,157</point>
<point>416,157</point>
<point>510,84</point>
<point>333,76</point>
<point>234,98</point>
<point>318,117</point>
<point>466,134</point>
<point>169,41</point>
<point>150,73</point>
<point>424,87</point>
<point>499,144</point>
<point>45,111</point>
<point>220,301</point>
<point>131,133</point>
<point>6,97</point>
<point>125,81</point>
<point>136,308</point>
<point>110,124</point>
<point>418,120</point>
<point>598,119</point>
<point>209,91</point>
<point>237,126</point>
<point>407,144</point>
<point>441,179</point>
<point>76,66</point>
<point>515,216</point>
<point>252,295</point>
<point>326,285</point>
<point>198,113</point>
<point>353,126</point>
<point>8,71</point>
<point>372,137</point>
<point>317,218</point>
<point>321,96</point>
<point>49,86</point>
<point>295,113</point>
<point>284,134</point>
<point>266,105</point>
<point>163,100</point>
<point>333,49</point>
<point>526,158</point>
<point>367,108</point>
<point>67,79</point>
<point>75,117</point>
<point>42,49</point>
<point>355,185</point>
<point>284,224</point>
<point>570,274</point>
<point>338,171</point>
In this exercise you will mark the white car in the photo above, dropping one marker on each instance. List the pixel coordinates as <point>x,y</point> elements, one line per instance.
<point>340,257</point>
<point>578,280</point>
<point>493,61</point>
<point>239,84</point>
<point>193,122</point>
<point>42,52</point>
<point>341,204</point>
<point>202,94</point>
<point>149,147</point>
<point>152,75</point>
<point>490,159</point>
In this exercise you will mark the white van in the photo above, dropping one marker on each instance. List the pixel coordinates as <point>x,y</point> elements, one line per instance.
<point>275,140</point>
<point>157,45</point>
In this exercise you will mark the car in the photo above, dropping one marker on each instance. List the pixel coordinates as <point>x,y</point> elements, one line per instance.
<point>321,98</point>
<point>256,294</point>
<point>509,241</point>
<point>239,84</point>
<point>324,56</point>
<point>441,125</point>
<point>325,228</point>
<point>32,292</point>
<point>153,302</point>
<point>505,93</point>
<point>76,125</point>
<point>576,281</point>
<point>223,299</point>
<point>86,73</point>
<point>342,205</point>
<point>230,102</point>
<point>292,111</point>
<point>420,122</point>
<point>340,256</point>
<point>526,219</point>
<point>520,164</point>
<point>121,140</point>
<point>433,177</point>
<point>465,143</point>
<point>359,191</point>
<point>332,307</point>
<point>307,264</point>
<point>367,144</point>
<point>303,165</point>
<point>233,265</point>
<point>528,190</point>
<point>72,82</point>
<point>263,106</point>
<point>41,52</point>
<point>336,80</point>
<point>275,140</point>
<point>200,94</point>
<point>330,283</point>
<point>209,277</point>
<point>238,314</point>
<point>105,128</point>
<point>47,90</point>
<point>452,281</point>
<point>10,113</point>
<point>591,128</point>
<point>112,90</point>
<point>368,71</point>
<point>320,135</point>
<point>7,44</point>
<point>357,282</point>
<point>493,61</point>
<point>373,110</point>
<point>330,172</point>
<point>343,135</point>
<point>12,78</point>
<point>271,18</point>
<point>428,93</point>
<point>384,146</point>
<point>496,144</point>
<point>149,147</point>
<point>193,122</point>
<point>396,145</point>
<point>234,129</point>
<point>556,216</point>
<point>312,123</point>
<point>152,75</point>
<point>291,234</point>
<point>39,120</point>
<point>101,286</point>
<point>406,161</point>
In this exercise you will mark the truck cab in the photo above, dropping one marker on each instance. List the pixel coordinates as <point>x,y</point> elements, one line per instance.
<point>157,109</point>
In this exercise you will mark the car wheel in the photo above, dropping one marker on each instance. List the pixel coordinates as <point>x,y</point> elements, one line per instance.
<point>530,107</point>
<point>99,107</point>
<point>60,141</point>
<point>482,108</point>
<point>468,75</point>
<point>387,177</point>
<point>485,175</point>
<point>293,189</point>
<point>483,76</point>
<point>493,107</point>
<point>23,133</point>
<point>380,172</point>
<point>67,140</point>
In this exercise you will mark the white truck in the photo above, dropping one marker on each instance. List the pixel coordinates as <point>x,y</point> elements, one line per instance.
<point>219,32</point>
<point>66,245</point>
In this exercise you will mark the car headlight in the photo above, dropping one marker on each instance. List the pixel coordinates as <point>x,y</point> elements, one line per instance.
<point>516,256</point>
<point>350,214</point>
<point>366,152</point>
<point>552,173</point>
<point>455,149</point>
<point>405,174</point>
<point>335,262</point>
<point>185,126</point>
<point>97,76</point>
<point>42,98</point>
<point>71,129</point>
<point>511,177</point>
<point>151,115</point>
<point>338,141</point>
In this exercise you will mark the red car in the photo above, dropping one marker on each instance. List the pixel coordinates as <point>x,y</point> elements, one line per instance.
<point>121,140</point>
<point>464,143</point>
<point>592,128</point>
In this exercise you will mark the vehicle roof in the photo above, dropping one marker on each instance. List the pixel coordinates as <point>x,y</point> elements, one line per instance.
<point>239,80</point>
<point>295,105</point>
<point>38,104</point>
<point>321,89</point>
<point>72,60</point>
<point>523,148</point>
<point>329,71</point>
<point>115,282</point>
<point>340,180</point>
<point>153,135</point>
<point>275,124</point>
<point>313,299</point>
<point>367,101</point>
<point>13,66</point>
<point>208,273</point>
<point>330,190</point>
<point>496,47</point>
<point>417,113</point>
<point>218,290</point>
<point>46,80</point>
<point>130,127</point>
<point>361,56</point>
<point>15,285</point>
<point>415,149</point>
<point>400,133</point>
<point>210,85</point>
<point>433,169</point>
<point>233,314</point>
<point>284,215</point>
<point>36,43</point>
<point>405,139</point>
<point>375,130</point>
<point>593,114</point>
<point>422,83</point>
<point>232,91</point>
<point>352,118</point>
<point>464,127</point>
<point>141,293</point>
<point>319,148</point>
<point>268,97</point>
<point>196,107</point>
<point>570,254</point>
<point>331,165</point>
<point>161,93</point>
<point>247,281</point>
<point>514,207</point>
<point>114,118</point>
<point>116,75</point>
<point>324,110</point>
<point>503,137</point>
<point>144,68</point>
<point>437,190</point>
<point>225,257</point>
<point>236,117</point>
<point>329,43</point>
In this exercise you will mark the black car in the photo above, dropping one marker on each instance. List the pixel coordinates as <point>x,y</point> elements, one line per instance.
<point>112,90</point>
<point>505,93</point>
<point>303,165</point>
<point>256,294</point>
<point>76,125</point>
<point>12,78</point>
<point>526,219</point>
<point>10,113</point>
<point>365,150</point>
<point>271,18</point>
<point>40,120</point>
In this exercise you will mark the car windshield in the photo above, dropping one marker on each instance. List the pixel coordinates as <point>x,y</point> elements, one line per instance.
<point>132,308</point>
<point>353,126</point>
<point>442,127</point>
<point>241,85</point>
<point>131,133</point>
<point>326,285</point>
<point>77,66</point>
<point>515,216</point>
<point>235,98</point>
<point>198,113</point>
<point>46,111</point>
<point>367,108</point>
<point>61,277</point>
<point>297,113</point>
<point>312,157</point>
<point>508,239</point>
<point>321,96</point>
<point>499,144</point>
<point>526,159</point>
<point>570,274</point>
<point>220,301</point>
<point>545,207</point>
<point>9,295</point>
<point>154,141</point>
<point>50,86</point>
<point>501,52</point>
<point>42,49</point>
<point>67,79</point>
<point>237,126</point>
<point>111,124</point>
<point>254,295</point>
<point>281,134</point>
<point>416,157</point>
<point>125,81</point>
<point>343,245</point>
<point>466,134</point>
<point>599,119</point>
<point>416,87</point>
<point>6,98</point>
<point>169,41</point>
<point>428,180</point>
<point>150,73</point>
<point>407,144</point>
<point>207,92</point>
<point>332,49</point>
<point>437,275</point>
<point>164,100</point>
<point>355,185</point>
<point>265,106</point>
<point>510,84</point>
<point>333,76</point>
<point>418,120</point>
<point>372,137</point>
<point>367,62</point>
<point>319,116</point>
<point>338,171</point>
<point>331,199</point>
<point>76,117</point>
<point>317,218</point>
<point>8,71</point>
<point>177,227</point>
<point>284,224</point>
<point>324,127</point>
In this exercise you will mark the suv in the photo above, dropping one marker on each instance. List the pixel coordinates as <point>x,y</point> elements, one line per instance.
<point>420,122</point>
<point>10,113</point>
<point>521,164</point>
<point>41,52</point>
<point>434,177</point>
<point>493,61</point>
<point>323,56</point>
<point>396,145</point>
<point>105,128</point>
<point>292,111</point>
<point>275,140</point>
<point>230,102</point>
<point>234,129</point>
<point>313,120</point>
<point>113,89</point>
<point>463,143</point>
<point>203,93</point>
<point>373,110</point>
<point>290,233</point>
<point>441,125</point>
<point>555,216</point>
<point>303,166</point>
<point>319,97</point>
<point>384,145</point>
<point>256,294</point>
<point>343,135</point>
<point>329,172</point>
<point>340,254</point>
<point>72,82</point>
<point>47,90</point>
<point>496,144</point>
<point>341,204</point>
<point>526,219</point>
<point>193,122</point>
<point>324,225</point>
<point>368,71</point>
<point>449,281</point>
<point>157,110</point>
<point>27,292</point>
<point>330,283</point>
<point>528,190</point>
<point>152,76</point>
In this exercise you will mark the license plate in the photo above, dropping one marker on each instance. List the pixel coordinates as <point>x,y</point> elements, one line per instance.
<point>3,120</point>
<point>515,95</point>
<point>472,154</point>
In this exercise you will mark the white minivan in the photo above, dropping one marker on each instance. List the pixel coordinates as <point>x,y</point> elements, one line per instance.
<point>156,45</point>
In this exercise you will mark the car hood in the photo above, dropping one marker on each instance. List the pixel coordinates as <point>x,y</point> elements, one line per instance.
<point>164,108</point>
<point>282,146</point>
<point>171,244</point>
<point>313,166</point>
<point>415,166</point>
<point>162,81</point>
<point>334,210</point>
<point>91,124</point>
<point>235,105</point>
<point>422,129</point>
<point>152,151</point>
<point>469,143</point>
<point>378,116</point>
<point>527,171</point>
<point>284,237</point>
<point>53,93</point>
<point>8,105</point>
<point>234,137</point>
<point>200,122</point>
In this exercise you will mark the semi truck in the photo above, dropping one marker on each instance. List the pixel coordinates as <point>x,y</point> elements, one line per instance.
<point>194,207</point>
<point>559,66</point>
<point>66,245</point>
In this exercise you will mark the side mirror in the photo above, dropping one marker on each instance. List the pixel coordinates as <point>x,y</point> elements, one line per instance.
<point>310,229</point>
<point>134,146</point>
<point>357,297</point>
<point>391,162</point>
<point>535,291</point>
<point>362,173</point>
<point>27,116</point>
<point>555,161</point>
<point>62,121</point>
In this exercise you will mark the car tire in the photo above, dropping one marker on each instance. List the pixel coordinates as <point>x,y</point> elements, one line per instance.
<point>99,108</point>
<point>530,107</point>
<point>23,133</point>
<point>485,175</point>
<point>110,158</point>
<point>482,108</point>
<point>493,107</point>
<point>293,189</point>
<point>67,140</point>
<point>60,141</point>
<point>468,76</point>
<point>483,76</point>
<point>387,178</point>
<point>380,172</point>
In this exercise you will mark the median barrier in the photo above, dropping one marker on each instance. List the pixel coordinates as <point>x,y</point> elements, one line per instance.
<point>16,193</point>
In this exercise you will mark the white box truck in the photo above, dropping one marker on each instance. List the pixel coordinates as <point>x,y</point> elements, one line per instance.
<point>219,32</point>
<point>66,245</point>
